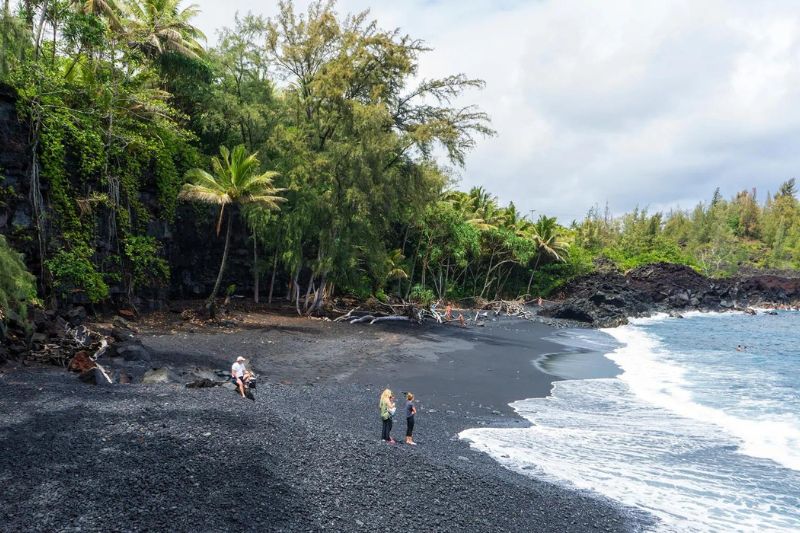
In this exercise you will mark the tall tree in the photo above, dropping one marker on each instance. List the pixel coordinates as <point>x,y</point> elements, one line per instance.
<point>234,180</point>
<point>160,26</point>
<point>545,233</point>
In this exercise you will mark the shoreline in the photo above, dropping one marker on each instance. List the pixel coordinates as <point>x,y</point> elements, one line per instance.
<point>313,432</point>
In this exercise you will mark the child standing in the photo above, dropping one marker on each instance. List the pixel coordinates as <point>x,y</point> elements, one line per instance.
<point>411,410</point>
<point>387,407</point>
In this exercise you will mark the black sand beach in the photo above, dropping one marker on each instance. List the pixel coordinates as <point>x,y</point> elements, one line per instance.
<point>305,456</point>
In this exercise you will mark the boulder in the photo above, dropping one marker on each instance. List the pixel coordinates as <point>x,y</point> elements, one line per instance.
<point>127,314</point>
<point>132,351</point>
<point>211,375</point>
<point>41,320</point>
<point>93,376</point>
<point>76,316</point>
<point>160,375</point>
<point>81,363</point>
<point>202,384</point>
<point>123,324</point>
<point>122,334</point>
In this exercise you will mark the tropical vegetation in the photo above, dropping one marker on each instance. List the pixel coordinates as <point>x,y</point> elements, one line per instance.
<point>340,179</point>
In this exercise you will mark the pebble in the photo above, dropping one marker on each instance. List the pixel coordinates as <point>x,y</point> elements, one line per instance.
<point>290,464</point>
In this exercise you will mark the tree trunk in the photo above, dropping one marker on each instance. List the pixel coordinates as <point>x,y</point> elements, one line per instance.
<point>6,30</point>
<point>530,280</point>
<point>213,297</point>
<point>319,296</point>
<point>296,289</point>
<point>37,201</point>
<point>488,273</point>
<point>309,290</point>
<point>272,279</point>
<point>413,269</point>
<point>255,268</point>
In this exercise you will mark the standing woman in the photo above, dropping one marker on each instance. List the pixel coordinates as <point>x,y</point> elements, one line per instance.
<point>387,412</point>
<point>411,410</point>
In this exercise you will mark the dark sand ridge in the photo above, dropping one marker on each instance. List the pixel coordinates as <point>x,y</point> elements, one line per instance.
<point>302,458</point>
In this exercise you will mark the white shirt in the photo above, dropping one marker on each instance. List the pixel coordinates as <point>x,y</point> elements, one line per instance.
<point>238,369</point>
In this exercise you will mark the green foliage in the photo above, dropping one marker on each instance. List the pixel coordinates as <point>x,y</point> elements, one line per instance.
<point>146,268</point>
<point>17,285</point>
<point>421,295</point>
<point>128,114</point>
<point>73,271</point>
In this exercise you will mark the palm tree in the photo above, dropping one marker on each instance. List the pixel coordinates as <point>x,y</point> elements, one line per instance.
<point>160,26</point>
<point>234,181</point>
<point>106,8</point>
<point>394,266</point>
<point>546,236</point>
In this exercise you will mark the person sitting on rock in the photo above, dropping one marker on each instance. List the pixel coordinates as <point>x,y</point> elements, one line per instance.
<point>239,374</point>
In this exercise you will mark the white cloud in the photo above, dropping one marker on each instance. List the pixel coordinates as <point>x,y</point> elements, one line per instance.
<point>630,102</point>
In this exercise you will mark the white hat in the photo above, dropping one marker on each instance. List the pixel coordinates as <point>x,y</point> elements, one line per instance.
<point>240,358</point>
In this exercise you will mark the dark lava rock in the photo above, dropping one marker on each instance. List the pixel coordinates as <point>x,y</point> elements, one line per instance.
<point>76,316</point>
<point>203,383</point>
<point>160,375</point>
<point>122,334</point>
<point>132,350</point>
<point>607,298</point>
<point>93,376</point>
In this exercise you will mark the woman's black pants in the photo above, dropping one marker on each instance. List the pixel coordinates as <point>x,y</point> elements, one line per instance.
<point>387,429</point>
<point>409,425</point>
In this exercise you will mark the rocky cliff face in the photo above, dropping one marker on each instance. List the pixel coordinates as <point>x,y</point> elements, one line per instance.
<point>14,211</point>
<point>606,299</point>
<point>190,244</point>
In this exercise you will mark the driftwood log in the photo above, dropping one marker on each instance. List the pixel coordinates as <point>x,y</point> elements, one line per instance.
<point>384,312</point>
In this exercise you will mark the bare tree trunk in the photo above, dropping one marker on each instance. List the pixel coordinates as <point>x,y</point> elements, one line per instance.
<point>36,199</point>
<point>272,279</point>
<point>530,280</point>
<point>213,297</point>
<point>255,268</point>
<point>39,30</point>
<point>488,273</point>
<point>413,269</point>
<point>319,296</point>
<point>296,289</point>
<point>309,290</point>
<point>6,38</point>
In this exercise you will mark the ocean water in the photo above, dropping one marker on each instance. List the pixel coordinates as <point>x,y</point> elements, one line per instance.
<point>703,436</point>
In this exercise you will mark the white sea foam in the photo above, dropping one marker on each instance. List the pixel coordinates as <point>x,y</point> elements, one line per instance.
<point>645,440</point>
<point>664,385</point>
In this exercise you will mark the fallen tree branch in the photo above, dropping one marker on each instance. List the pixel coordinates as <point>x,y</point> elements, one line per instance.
<point>389,318</point>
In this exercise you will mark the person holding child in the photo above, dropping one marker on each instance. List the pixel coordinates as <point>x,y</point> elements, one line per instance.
<point>387,408</point>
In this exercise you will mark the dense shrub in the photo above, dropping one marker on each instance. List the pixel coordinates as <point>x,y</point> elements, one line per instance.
<point>17,285</point>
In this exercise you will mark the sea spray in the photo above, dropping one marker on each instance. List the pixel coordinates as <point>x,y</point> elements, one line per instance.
<point>700,435</point>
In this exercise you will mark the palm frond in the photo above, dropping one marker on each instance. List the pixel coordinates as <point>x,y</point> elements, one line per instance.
<point>198,193</point>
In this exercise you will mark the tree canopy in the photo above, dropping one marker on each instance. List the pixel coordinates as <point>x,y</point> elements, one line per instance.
<point>127,112</point>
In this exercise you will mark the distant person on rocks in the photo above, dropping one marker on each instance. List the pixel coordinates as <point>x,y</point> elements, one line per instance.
<point>388,409</point>
<point>239,374</point>
<point>411,410</point>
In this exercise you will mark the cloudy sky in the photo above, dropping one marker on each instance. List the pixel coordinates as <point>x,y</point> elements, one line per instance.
<point>652,103</point>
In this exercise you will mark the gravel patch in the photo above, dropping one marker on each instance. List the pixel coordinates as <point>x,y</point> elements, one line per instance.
<point>75,457</point>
